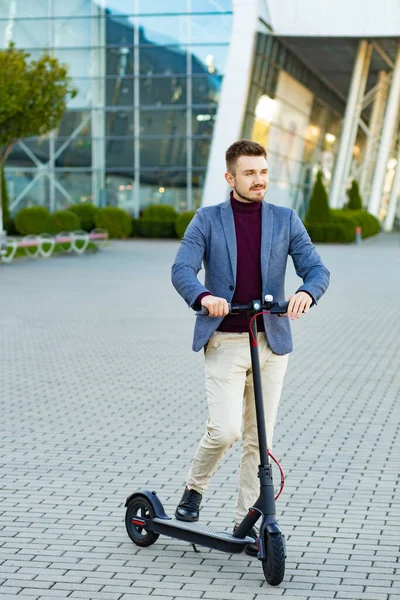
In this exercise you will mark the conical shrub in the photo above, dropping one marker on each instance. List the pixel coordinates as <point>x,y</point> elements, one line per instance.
<point>354,196</point>
<point>318,208</point>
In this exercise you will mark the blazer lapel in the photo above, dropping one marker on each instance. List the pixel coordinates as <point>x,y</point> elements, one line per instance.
<point>266,239</point>
<point>228,224</point>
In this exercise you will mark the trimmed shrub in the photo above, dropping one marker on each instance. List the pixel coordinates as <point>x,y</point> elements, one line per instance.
<point>160,212</point>
<point>152,228</point>
<point>369,224</point>
<point>182,222</point>
<point>116,221</point>
<point>157,221</point>
<point>35,219</point>
<point>135,229</point>
<point>86,213</point>
<point>331,233</point>
<point>355,200</point>
<point>64,220</point>
<point>318,208</point>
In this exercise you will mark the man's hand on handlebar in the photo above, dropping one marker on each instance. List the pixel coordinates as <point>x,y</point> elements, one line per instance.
<point>217,307</point>
<point>298,304</point>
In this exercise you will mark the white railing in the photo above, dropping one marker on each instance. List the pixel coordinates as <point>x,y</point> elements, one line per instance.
<point>43,245</point>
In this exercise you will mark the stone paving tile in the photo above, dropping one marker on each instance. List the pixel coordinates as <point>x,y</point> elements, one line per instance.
<point>101,396</point>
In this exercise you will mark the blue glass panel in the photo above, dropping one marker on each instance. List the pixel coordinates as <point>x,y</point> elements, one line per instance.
<point>119,153</point>
<point>203,120</point>
<point>73,121</point>
<point>163,60</point>
<point>163,122</point>
<point>119,31</point>
<point>78,60</point>
<point>201,149</point>
<point>73,33</point>
<point>72,8</point>
<point>159,91</point>
<point>163,152</point>
<point>209,59</point>
<point>211,5</point>
<point>20,10</point>
<point>162,7</point>
<point>209,29</point>
<point>164,30</point>
<point>119,91</point>
<point>25,33</point>
<point>206,90</point>
<point>78,153</point>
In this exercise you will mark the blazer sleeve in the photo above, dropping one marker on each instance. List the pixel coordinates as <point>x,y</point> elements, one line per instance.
<point>306,260</point>
<point>189,259</point>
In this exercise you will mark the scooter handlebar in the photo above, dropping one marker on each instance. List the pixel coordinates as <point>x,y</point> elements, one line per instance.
<point>275,308</point>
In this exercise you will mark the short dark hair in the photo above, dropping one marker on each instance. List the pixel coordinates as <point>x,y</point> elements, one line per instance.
<point>242,148</point>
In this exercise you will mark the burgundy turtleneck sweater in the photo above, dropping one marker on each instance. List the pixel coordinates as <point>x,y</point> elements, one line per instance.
<point>247,218</point>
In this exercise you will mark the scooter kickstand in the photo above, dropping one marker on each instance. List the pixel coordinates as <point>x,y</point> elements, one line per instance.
<point>194,548</point>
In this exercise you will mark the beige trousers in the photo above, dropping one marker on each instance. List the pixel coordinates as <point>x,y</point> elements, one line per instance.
<point>231,411</point>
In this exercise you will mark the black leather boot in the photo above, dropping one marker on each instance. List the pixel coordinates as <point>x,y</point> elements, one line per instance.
<point>189,506</point>
<point>251,549</point>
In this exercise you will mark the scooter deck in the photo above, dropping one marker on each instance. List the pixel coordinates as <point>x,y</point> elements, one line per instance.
<point>196,533</point>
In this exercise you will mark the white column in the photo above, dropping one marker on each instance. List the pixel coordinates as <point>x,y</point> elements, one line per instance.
<point>98,102</point>
<point>389,125</point>
<point>233,99</point>
<point>136,113</point>
<point>394,197</point>
<point>348,126</point>
<point>375,129</point>
<point>347,171</point>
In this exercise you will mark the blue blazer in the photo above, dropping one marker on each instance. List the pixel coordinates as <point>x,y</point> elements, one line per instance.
<point>211,239</point>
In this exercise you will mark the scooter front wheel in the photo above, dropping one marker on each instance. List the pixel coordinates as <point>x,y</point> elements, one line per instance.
<point>139,508</point>
<point>274,562</point>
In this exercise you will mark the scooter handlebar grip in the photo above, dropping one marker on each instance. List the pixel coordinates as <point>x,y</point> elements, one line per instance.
<point>280,309</point>
<point>204,310</point>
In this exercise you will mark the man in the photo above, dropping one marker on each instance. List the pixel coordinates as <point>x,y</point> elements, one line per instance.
<point>244,244</point>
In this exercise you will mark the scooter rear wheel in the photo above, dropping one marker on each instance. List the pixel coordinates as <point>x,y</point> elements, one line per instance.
<point>274,563</point>
<point>140,507</point>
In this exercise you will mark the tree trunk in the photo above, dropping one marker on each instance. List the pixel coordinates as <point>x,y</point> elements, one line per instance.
<point>3,159</point>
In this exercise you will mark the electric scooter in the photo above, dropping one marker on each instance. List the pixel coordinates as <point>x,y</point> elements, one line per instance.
<point>145,517</point>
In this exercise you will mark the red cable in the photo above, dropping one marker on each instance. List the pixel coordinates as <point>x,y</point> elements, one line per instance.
<point>282,475</point>
<point>264,312</point>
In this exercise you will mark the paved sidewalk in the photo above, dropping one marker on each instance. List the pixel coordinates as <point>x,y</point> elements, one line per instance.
<point>101,395</point>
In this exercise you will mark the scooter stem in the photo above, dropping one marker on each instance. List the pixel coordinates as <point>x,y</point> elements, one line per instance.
<point>255,363</point>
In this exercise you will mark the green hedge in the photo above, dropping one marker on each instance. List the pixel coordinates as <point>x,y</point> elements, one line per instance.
<point>152,228</point>
<point>182,222</point>
<point>64,220</point>
<point>34,219</point>
<point>342,227</point>
<point>115,220</point>
<point>369,224</point>
<point>331,233</point>
<point>86,213</point>
<point>160,212</point>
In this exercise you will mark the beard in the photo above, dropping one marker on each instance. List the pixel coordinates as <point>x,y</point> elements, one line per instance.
<point>247,198</point>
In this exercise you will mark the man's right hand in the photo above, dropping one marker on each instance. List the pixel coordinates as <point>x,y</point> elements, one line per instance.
<point>217,307</point>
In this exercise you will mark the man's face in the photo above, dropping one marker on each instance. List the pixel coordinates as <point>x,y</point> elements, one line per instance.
<point>250,180</point>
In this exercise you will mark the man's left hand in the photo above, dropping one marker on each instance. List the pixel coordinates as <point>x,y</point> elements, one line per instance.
<point>298,304</point>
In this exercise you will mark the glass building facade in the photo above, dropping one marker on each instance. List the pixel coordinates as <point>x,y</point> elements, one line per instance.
<point>148,75</point>
<point>296,117</point>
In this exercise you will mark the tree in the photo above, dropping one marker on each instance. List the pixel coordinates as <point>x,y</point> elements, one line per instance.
<point>33,98</point>
<point>4,198</point>
<point>318,209</point>
<point>354,196</point>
